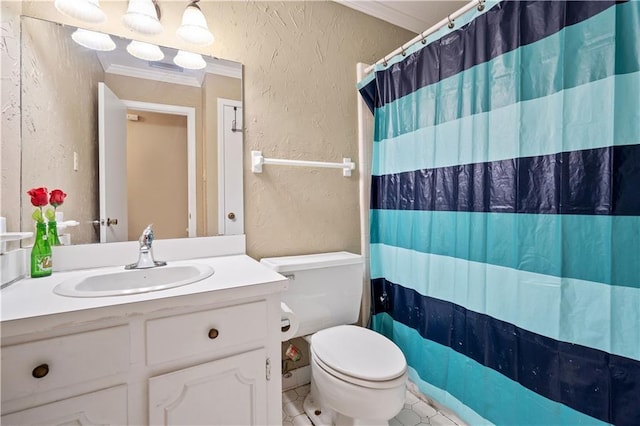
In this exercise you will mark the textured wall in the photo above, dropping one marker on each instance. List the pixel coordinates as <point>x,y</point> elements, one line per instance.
<point>10,145</point>
<point>51,128</point>
<point>300,102</point>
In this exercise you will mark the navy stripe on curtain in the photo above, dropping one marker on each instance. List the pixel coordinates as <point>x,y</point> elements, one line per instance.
<point>594,181</point>
<point>597,383</point>
<point>475,43</point>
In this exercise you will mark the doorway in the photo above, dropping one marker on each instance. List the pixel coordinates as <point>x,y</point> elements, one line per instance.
<point>157,144</point>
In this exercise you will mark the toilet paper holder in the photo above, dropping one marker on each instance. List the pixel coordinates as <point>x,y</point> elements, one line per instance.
<point>288,322</point>
<point>285,325</point>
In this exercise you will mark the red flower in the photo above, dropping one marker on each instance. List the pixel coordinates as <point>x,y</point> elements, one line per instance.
<point>57,198</point>
<point>38,196</point>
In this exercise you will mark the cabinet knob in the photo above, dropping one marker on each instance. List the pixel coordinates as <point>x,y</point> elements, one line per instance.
<point>231,216</point>
<point>40,371</point>
<point>213,333</point>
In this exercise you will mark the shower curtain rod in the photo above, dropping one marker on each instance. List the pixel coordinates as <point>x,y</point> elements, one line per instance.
<point>449,20</point>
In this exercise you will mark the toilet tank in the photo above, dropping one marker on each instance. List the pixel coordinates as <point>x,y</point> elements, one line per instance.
<point>324,289</point>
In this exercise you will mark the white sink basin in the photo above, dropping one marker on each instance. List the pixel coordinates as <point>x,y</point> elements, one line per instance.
<point>133,281</point>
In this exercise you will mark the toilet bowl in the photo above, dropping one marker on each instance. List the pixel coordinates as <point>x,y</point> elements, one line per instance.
<point>358,376</point>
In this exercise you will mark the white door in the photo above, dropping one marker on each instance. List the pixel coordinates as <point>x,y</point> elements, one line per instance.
<point>112,152</point>
<point>229,391</point>
<point>105,407</point>
<point>231,216</point>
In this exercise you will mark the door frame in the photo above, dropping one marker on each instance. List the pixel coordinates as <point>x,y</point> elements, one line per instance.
<point>112,150</point>
<point>190,113</point>
<point>223,172</point>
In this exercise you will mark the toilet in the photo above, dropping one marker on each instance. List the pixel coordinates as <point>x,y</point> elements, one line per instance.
<point>358,376</point>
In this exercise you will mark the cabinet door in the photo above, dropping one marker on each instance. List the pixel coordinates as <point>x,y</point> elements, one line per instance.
<point>227,391</point>
<point>105,407</point>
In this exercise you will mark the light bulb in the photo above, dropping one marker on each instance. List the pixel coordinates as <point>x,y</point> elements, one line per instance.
<point>194,27</point>
<point>189,60</point>
<point>93,40</point>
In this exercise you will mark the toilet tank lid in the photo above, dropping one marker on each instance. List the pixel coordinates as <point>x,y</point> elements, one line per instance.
<point>311,261</point>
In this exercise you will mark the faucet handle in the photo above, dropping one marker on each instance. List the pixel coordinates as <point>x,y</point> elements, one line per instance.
<point>146,239</point>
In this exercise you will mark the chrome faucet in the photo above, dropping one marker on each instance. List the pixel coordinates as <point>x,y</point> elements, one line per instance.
<point>145,257</point>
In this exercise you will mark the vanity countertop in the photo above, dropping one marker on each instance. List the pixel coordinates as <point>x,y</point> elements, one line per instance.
<point>235,277</point>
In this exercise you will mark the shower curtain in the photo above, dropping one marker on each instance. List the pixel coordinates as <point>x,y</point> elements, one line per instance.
<point>505,212</point>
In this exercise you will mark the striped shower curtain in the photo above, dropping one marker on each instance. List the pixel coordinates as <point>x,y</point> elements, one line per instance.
<point>505,212</point>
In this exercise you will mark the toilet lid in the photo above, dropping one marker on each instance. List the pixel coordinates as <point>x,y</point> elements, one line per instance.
<point>359,352</point>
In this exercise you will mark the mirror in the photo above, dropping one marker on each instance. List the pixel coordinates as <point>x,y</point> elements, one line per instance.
<point>130,141</point>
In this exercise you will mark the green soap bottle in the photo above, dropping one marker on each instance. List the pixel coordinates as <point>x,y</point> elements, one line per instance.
<point>41,259</point>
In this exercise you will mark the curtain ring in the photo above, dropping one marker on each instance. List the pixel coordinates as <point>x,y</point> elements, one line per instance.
<point>480,5</point>
<point>404,52</point>
<point>424,39</point>
<point>450,24</point>
<point>384,61</point>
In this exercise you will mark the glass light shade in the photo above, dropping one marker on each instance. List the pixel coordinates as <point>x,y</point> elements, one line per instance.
<point>93,40</point>
<point>194,27</point>
<point>145,51</point>
<point>142,17</point>
<point>189,60</point>
<point>84,10</point>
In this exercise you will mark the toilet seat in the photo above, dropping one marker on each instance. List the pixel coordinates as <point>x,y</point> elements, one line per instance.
<point>360,356</point>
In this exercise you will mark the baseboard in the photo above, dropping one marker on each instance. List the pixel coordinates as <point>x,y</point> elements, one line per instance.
<point>413,388</point>
<point>298,377</point>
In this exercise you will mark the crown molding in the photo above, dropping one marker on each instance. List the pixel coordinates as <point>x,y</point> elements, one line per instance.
<point>151,74</point>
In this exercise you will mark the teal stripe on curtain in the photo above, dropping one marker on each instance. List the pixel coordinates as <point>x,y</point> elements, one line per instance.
<point>501,400</point>
<point>501,134</point>
<point>576,55</point>
<point>597,248</point>
<point>576,311</point>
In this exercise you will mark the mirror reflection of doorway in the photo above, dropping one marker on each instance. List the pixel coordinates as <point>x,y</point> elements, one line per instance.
<point>154,200</point>
<point>157,174</point>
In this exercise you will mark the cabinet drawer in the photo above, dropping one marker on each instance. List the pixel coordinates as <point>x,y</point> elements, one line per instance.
<point>104,407</point>
<point>43,365</point>
<point>182,336</point>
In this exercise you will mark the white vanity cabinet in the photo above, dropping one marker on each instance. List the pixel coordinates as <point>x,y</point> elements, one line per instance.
<point>193,359</point>
<point>229,390</point>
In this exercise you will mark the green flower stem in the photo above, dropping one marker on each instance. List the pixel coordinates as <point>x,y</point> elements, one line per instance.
<point>50,214</point>
<point>37,215</point>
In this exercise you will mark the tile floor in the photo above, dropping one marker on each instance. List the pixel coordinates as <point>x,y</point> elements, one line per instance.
<point>416,412</point>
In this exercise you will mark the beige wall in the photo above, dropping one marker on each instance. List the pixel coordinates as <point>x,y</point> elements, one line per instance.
<point>299,102</point>
<point>54,127</point>
<point>157,175</point>
<point>215,86</point>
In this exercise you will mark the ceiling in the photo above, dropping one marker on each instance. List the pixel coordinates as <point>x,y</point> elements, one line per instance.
<point>415,16</point>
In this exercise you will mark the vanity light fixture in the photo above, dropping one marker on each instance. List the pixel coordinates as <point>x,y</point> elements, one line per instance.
<point>143,16</point>
<point>189,60</point>
<point>84,10</point>
<point>194,27</point>
<point>93,40</point>
<point>145,51</point>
